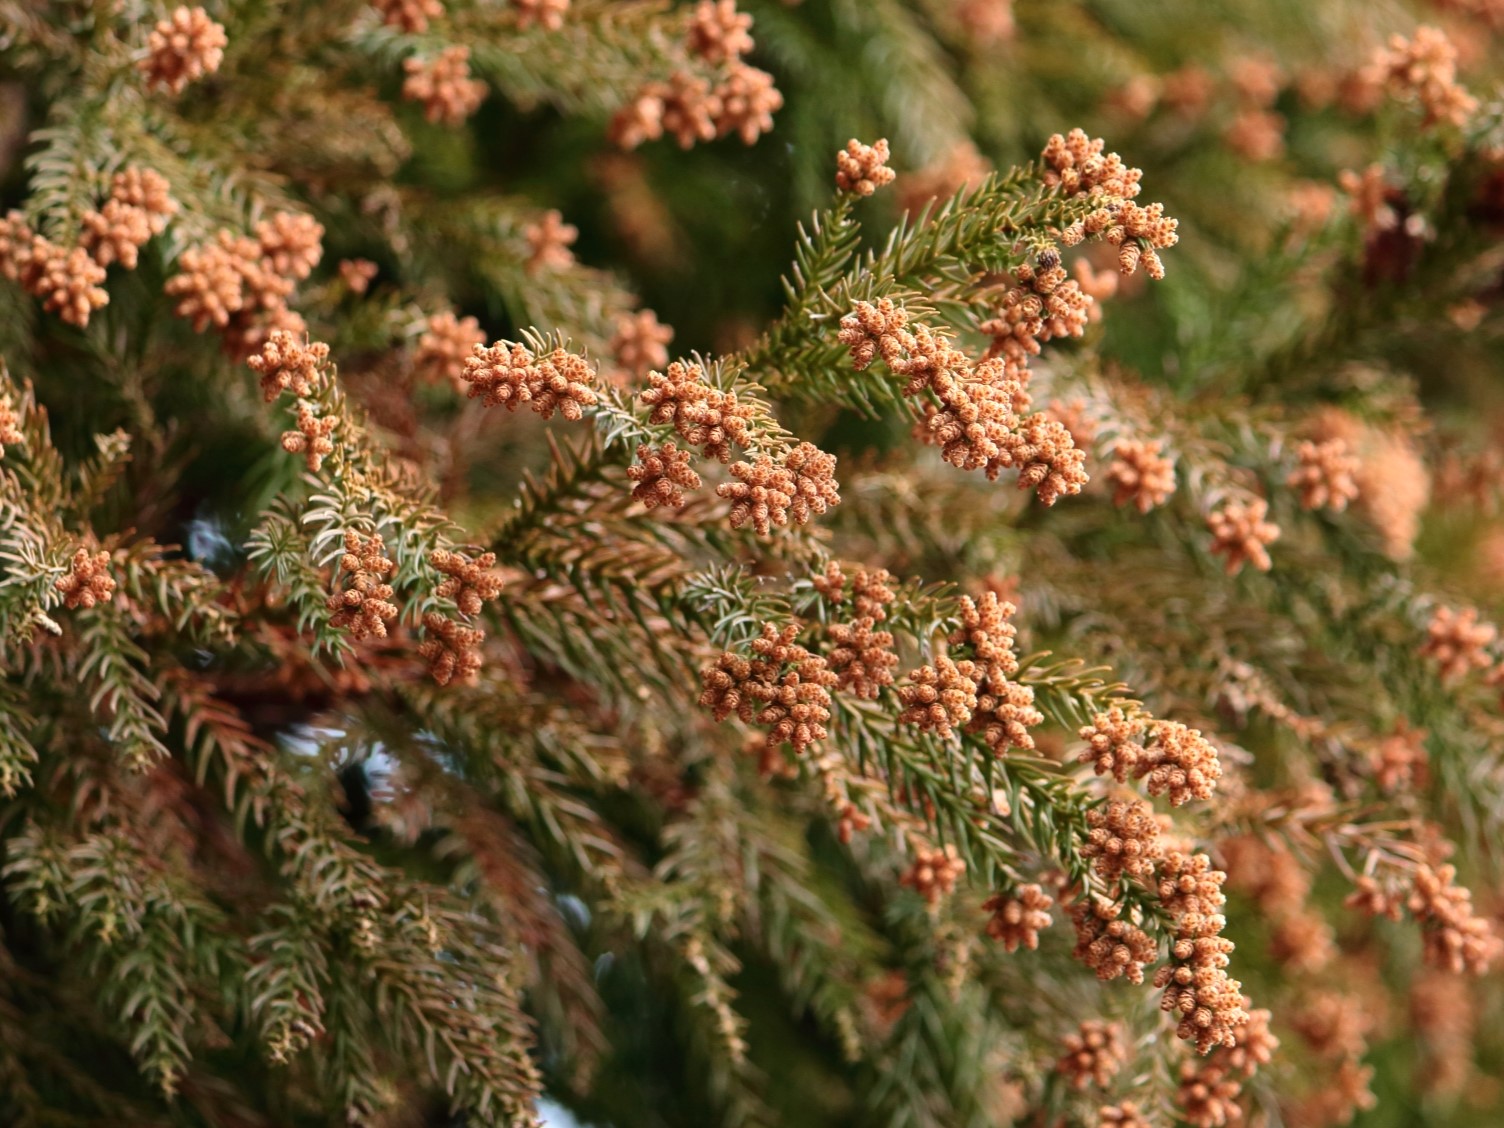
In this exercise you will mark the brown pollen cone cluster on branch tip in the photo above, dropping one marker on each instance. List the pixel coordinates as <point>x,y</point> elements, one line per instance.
<point>365,606</point>
<point>444,86</point>
<point>10,424</point>
<point>408,16</point>
<point>1018,918</point>
<point>1457,641</point>
<point>548,241</point>
<point>939,698</point>
<point>312,438</point>
<point>640,343</point>
<point>934,872</point>
<point>1080,167</point>
<point>88,581</point>
<point>285,365</point>
<point>718,33</point>
<point>1043,305</point>
<point>1109,944</point>
<point>1094,1053</point>
<point>509,374</point>
<point>768,493</point>
<point>1004,711</point>
<point>661,476</point>
<point>1122,838</point>
<point>470,583</point>
<point>1423,69</point>
<point>547,13</point>
<point>1196,984</point>
<point>1456,939</point>
<point>782,686</point>
<point>704,416</point>
<point>863,169</point>
<point>1140,474</point>
<point>1326,477</point>
<point>446,343</point>
<point>183,48</point>
<point>976,414</point>
<point>452,650</point>
<point>861,657</point>
<point>1241,534</point>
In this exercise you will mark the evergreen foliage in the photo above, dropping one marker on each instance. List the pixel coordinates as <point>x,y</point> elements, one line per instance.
<point>1006,656</point>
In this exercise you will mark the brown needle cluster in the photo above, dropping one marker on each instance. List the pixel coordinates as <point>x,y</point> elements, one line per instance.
<point>408,16</point>
<point>183,48</point>
<point>1140,474</point>
<point>470,583</point>
<point>662,475</point>
<point>704,417</point>
<point>452,650</point>
<point>782,685</point>
<point>1423,70</point>
<point>1107,943</point>
<point>976,414</point>
<point>88,580</point>
<point>1241,533</point>
<point>1094,1054</point>
<point>548,241</point>
<point>509,374</point>
<point>934,872</point>
<point>1457,642</point>
<point>863,169</point>
<point>365,606</point>
<point>1456,940</point>
<point>442,350</point>
<point>1326,476</point>
<point>1017,920</point>
<point>444,86</point>
<point>717,32</point>
<point>1122,838</point>
<point>285,365</point>
<point>640,342</point>
<point>312,438</point>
